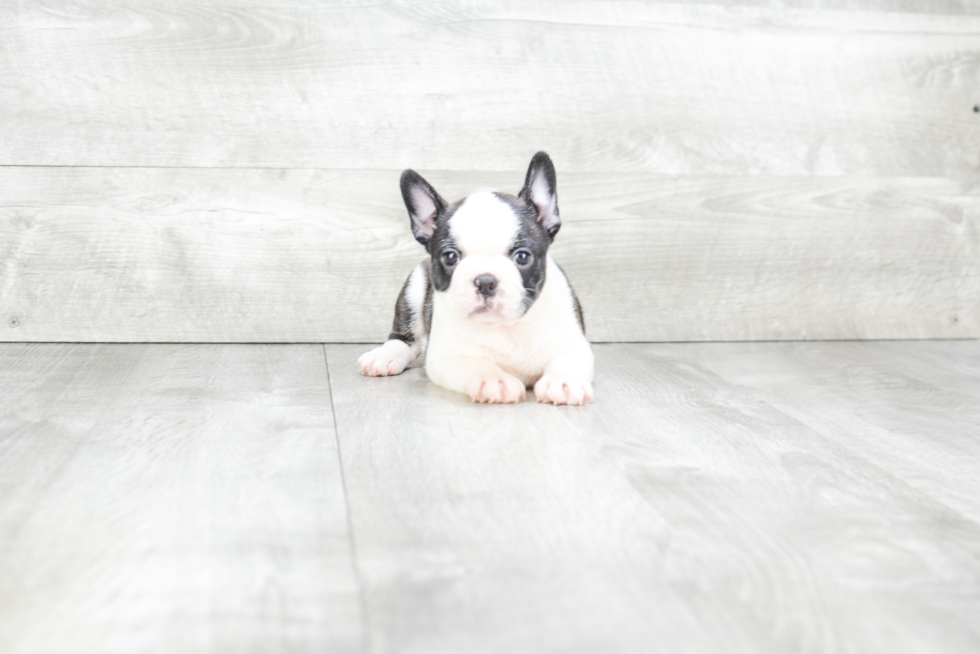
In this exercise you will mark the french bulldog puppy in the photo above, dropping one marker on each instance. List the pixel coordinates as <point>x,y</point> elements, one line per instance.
<point>492,310</point>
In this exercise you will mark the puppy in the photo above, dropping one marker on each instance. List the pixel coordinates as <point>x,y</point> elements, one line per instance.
<point>492,309</point>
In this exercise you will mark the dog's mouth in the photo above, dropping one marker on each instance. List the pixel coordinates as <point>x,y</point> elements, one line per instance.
<point>486,309</point>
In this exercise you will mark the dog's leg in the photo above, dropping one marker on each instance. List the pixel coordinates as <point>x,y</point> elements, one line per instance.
<point>481,379</point>
<point>567,379</point>
<point>404,344</point>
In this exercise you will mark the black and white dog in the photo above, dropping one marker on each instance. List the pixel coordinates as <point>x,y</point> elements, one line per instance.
<point>493,310</point>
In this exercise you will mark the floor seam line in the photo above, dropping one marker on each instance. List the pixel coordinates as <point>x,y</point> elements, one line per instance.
<point>352,541</point>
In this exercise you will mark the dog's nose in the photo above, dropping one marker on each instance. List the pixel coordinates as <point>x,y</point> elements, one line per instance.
<point>486,285</point>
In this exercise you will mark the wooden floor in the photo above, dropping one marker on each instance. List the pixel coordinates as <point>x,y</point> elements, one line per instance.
<point>765,497</point>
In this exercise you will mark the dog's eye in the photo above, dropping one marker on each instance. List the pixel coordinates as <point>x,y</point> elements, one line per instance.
<point>450,258</point>
<point>523,257</point>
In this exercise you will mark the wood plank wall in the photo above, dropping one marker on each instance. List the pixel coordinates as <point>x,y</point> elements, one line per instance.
<point>227,171</point>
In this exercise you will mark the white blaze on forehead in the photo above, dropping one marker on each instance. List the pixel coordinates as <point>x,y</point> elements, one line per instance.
<point>484,225</point>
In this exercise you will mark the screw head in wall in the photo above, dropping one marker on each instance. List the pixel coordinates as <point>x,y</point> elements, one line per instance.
<point>13,322</point>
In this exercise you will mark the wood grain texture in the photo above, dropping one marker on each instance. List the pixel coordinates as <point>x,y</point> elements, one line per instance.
<point>913,409</point>
<point>682,511</point>
<point>828,88</point>
<point>171,499</point>
<point>178,255</point>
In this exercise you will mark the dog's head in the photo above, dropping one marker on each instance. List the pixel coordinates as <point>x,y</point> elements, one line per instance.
<point>489,250</point>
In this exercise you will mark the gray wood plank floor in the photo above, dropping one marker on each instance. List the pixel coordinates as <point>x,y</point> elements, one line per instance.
<point>171,499</point>
<point>764,497</point>
<point>700,504</point>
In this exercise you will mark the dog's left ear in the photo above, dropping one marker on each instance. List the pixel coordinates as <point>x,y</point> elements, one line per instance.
<point>541,190</point>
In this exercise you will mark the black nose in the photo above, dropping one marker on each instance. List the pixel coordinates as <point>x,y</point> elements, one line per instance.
<point>486,285</point>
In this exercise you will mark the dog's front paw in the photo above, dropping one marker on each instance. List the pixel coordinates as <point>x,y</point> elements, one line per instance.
<point>388,359</point>
<point>497,389</point>
<point>558,389</point>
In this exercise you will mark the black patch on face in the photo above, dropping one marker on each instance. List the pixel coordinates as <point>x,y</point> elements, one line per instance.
<point>531,236</point>
<point>440,242</point>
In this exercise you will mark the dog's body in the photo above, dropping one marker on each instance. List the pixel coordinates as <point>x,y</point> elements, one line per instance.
<point>492,309</point>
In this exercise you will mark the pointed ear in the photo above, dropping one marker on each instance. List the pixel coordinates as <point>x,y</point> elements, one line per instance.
<point>541,190</point>
<point>423,204</point>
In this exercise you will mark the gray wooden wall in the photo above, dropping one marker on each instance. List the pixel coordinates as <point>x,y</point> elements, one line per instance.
<point>227,171</point>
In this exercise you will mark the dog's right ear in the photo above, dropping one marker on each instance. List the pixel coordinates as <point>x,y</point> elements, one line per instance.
<point>423,203</point>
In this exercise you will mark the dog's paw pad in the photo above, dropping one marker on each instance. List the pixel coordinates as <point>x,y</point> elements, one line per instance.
<point>497,389</point>
<point>389,359</point>
<point>557,389</point>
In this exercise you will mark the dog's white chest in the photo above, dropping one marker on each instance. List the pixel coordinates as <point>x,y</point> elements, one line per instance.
<point>517,349</point>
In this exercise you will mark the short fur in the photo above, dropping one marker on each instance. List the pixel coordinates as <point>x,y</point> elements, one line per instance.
<point>493,311</point>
